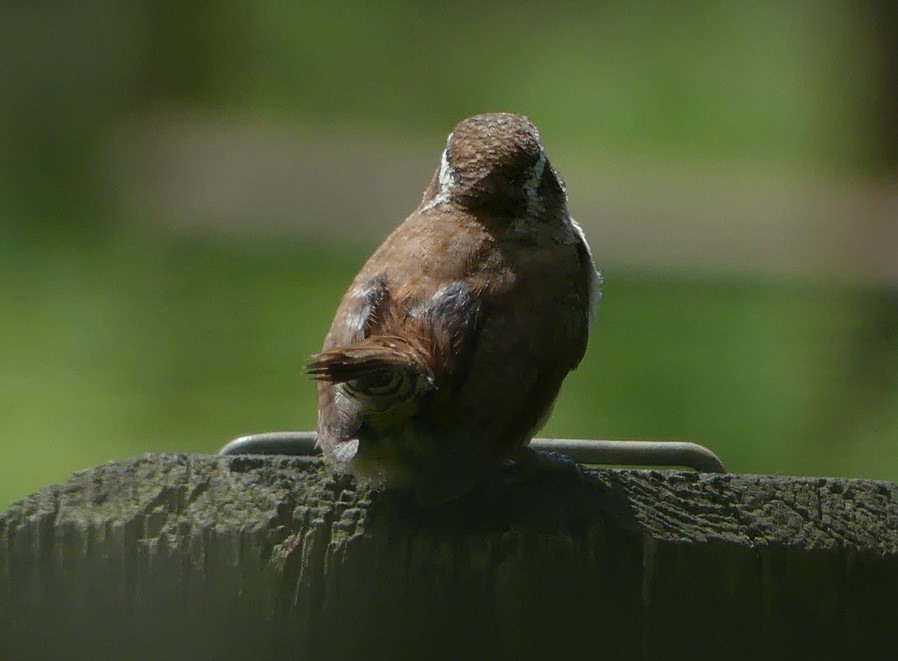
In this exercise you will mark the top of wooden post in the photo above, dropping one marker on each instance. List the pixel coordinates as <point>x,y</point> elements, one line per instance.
<point>255,557</point>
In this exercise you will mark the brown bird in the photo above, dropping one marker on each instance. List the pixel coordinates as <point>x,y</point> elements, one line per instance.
<point>448,351</point>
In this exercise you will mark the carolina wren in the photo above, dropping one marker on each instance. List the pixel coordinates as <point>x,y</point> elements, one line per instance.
<point>448,351</point>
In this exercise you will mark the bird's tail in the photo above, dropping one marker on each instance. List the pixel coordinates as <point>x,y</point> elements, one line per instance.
<point>387,375</point>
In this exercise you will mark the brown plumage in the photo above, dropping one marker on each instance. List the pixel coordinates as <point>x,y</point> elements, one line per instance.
<point>447,352</point>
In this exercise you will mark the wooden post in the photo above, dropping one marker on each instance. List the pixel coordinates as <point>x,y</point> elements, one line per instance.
<point>203,557</point>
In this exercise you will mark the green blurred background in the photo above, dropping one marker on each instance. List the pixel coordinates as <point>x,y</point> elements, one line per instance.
<point>186,189</point>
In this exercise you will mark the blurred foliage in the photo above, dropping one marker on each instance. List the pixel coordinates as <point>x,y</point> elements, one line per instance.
<point>761,82</point>
<point>115,341</point>
<point>744,80</point>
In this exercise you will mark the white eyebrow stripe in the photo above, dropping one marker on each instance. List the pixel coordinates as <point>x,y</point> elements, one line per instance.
<point>531,186</point>
<point>445,178</point>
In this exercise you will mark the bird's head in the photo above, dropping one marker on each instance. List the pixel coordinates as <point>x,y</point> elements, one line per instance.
<point>494,163</point>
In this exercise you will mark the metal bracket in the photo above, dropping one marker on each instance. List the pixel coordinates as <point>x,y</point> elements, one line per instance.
<point>583,451</point>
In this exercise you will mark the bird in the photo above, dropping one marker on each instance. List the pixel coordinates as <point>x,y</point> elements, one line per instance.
<point>448,350</point>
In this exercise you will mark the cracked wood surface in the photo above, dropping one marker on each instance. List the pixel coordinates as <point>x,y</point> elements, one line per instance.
<point>196,556</point>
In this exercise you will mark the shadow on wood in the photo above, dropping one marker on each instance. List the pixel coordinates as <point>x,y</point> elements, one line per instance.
<point>176,556</point>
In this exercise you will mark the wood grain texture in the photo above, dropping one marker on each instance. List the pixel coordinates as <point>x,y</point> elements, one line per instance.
<point>177,556</point>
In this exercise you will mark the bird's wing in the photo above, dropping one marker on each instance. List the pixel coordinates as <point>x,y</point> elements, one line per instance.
<point>532,331</point>
<point>339,417</point>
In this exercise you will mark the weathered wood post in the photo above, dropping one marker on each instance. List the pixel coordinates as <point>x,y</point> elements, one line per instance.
<point>174,556</point>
